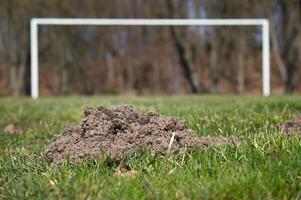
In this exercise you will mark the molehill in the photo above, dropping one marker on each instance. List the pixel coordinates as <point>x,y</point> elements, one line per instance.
<point>292,127</point>
<point>120,130</point>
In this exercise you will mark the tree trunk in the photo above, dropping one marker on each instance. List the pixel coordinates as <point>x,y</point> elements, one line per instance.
<point>277,52</point>
<point>289,85</point>
<point>13,80</point>
<point>241,63</point>
<point>184,53</point>
<point>130,78</point>
<point>214,63</point>
<point>65,77</point>
<point>27,74</point>
<point>111,72</point>
<point>186,61</point>
<point>290,23</point>
<point>17,71</point>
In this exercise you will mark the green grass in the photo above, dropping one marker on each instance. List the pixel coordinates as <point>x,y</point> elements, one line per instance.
<point>266,166</point>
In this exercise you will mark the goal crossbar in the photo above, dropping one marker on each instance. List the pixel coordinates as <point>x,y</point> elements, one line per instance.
<point>35,22</point>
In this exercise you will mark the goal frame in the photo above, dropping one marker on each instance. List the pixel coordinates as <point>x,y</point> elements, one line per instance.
<point>36,22</point>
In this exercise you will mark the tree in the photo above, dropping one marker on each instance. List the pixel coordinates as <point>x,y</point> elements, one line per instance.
<point>290,24</point>
<point>16,38</point>
<point>183,50</point>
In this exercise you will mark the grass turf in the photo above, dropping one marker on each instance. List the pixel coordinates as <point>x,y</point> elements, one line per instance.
<point>266,166</point>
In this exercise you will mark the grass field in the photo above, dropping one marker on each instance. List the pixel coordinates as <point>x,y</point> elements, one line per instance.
<point>266,166</point>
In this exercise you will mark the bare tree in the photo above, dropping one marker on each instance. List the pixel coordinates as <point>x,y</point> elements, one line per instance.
<point>183,51</point>
<point>17,45</point>
<point>287,51</point>
<point>241,61</point>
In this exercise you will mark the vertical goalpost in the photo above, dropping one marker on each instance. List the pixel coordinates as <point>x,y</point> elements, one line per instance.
<point>35,22</point>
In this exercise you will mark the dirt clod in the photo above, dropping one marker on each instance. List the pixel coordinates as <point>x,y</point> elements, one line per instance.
<point>292,127</point>
<point>125,171</point>
<point>13,129</point>
<point>120,130</point>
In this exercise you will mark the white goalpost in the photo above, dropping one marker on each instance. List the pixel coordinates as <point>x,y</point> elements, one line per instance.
<point>35,22</point>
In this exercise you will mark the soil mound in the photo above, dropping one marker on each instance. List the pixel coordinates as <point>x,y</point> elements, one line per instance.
<point>292,127</point>
<point>120,130</point>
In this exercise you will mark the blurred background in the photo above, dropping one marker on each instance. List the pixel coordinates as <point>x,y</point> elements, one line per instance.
<point>141,60</point>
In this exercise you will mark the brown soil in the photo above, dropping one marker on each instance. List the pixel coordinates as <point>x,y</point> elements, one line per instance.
<point>120,130</point>
<point>13,129</point>
<point>292,127</point>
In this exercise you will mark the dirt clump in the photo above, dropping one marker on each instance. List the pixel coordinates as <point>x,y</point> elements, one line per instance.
<point>13,129</point>
<point>292,127</point>
<point>121,130</point>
